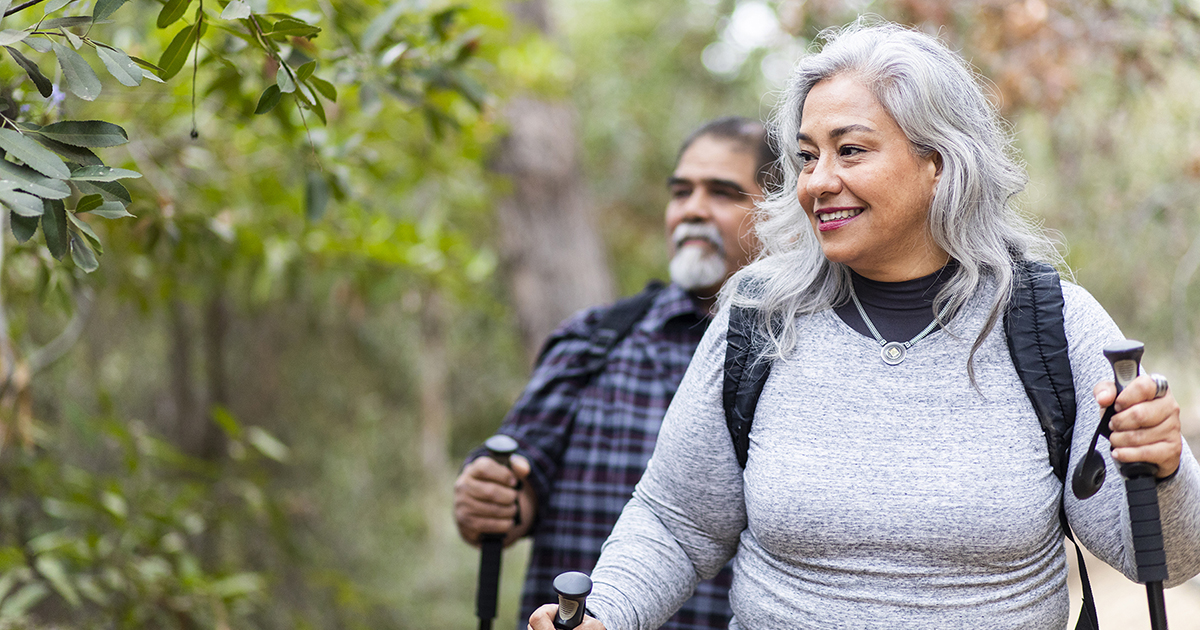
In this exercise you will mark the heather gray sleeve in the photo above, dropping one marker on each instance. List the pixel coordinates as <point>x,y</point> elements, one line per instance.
<point>1102,522</point>
<point>687,512</point>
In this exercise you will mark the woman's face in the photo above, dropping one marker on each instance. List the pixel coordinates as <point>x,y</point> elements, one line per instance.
<point>864,188</point>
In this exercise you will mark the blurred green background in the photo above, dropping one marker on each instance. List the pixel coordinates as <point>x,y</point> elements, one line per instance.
<point>250,414</point>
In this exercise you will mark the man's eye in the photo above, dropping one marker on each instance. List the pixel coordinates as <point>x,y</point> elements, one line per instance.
<point>680,193</point>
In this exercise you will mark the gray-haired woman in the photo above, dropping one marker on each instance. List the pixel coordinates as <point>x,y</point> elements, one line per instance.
<point>877,493</point>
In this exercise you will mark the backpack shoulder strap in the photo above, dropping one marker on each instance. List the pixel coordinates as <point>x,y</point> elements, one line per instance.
<point>745,374</point>
<point>614,325</point>
<point>1037,343</point>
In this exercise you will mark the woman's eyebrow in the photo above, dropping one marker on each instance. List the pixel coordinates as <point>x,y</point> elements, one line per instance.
<point>840,131</point>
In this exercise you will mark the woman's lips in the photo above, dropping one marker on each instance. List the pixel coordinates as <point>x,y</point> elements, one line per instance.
<point>835,218</point>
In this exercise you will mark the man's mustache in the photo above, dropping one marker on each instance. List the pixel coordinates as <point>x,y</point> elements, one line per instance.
<point>703,231</point>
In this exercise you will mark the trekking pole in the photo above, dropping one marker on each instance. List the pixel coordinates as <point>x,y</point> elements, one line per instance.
<point>491,546</point>
<point>1140,488</point>
<point>573,588</point>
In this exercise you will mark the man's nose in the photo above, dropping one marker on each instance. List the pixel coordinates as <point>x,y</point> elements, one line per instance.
<point>698,206</point>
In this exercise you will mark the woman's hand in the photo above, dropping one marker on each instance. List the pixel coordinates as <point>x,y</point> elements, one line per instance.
<point>543,619</point>
<point>1145,428</point>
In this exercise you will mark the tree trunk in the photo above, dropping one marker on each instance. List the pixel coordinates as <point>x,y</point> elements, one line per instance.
<point>553,256</point>
<point>214,442</point>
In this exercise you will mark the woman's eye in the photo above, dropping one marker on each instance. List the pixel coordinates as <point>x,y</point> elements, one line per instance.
<point>849,151</point>
<point>805,157</point>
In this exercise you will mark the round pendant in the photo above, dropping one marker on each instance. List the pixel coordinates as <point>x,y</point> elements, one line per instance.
<point>893,353</point>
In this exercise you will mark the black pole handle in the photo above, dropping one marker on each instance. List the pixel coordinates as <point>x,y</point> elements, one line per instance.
<point>573,588</point>
<point>1141,492</point>
<point>491,546</point>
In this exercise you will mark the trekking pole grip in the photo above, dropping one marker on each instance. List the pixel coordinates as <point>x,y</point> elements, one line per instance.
<point>1142,493</point>
<point>491,546</point>
<point>573,588</point>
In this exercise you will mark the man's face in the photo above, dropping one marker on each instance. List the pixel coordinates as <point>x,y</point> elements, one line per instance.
<point>709,218</point>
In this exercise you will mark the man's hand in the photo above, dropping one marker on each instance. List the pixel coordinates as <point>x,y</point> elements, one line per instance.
<point>486,498</point>
<point>543,619</point>
<point>1145,428</point>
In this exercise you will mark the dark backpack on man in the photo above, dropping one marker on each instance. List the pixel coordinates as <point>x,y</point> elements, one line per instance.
<point>1037,343</point>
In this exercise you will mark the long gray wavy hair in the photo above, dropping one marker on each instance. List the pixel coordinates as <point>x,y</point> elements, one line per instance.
<point>938,102</point>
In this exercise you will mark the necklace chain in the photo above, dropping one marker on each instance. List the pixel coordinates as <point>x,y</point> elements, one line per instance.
<point>893,352</point>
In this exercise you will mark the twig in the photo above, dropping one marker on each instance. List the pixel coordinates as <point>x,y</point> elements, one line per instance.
<point>22,7</point>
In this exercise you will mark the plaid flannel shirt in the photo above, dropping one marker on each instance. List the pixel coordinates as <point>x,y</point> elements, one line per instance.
<point>588,440</point>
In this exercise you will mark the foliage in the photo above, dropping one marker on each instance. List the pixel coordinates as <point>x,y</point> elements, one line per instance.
<point>117,547</point>
<point>312,155</point>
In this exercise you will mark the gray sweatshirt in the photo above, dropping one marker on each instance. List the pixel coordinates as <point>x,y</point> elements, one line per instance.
<point>879,496</point>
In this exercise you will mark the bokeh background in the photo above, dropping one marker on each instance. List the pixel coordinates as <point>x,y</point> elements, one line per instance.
<point>250,415</point>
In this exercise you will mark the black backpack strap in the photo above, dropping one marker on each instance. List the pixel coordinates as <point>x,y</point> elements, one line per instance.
<point>1037,343</point>
<point>745,374</point>
<point>614,325</point>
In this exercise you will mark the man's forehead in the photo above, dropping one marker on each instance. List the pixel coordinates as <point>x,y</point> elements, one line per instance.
<point>716,160</point>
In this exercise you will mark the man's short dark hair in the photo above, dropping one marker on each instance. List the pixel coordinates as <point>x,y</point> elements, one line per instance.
<point>751,134</point>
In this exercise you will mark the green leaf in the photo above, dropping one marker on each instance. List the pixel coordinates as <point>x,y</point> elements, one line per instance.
<point>40,44</point>
<point>22,203</point>
<point>291,27</point>
<point>267,444</point>
<point>52,569</point>
<point>105,8</point>
<point>317,107</point>
<point>87,203</point>
<point>32,182</point>
<point>82,254</point>
<point>23,228</point>
<point>146,64</point>
<point>45,88</point>
<point>78,155</point>
<point>76,42</point>
<point>171,12</point>
<point>111,191</point>
<point>103,174</point>
<point>19,603</point>
<point>236,10</point>
<point>316,196</point>
<point>54,226</point>
<point>305,71</point>
<point>86,133</point>
<point>3,8</point>
<point>269,99</point>
<point>69,21</point>
<point>108,210</point>
<point>33,154</point>
<point>9,36</point>
<point>55,5</point>
<point>120,65</point>
<point>81,79</point>
<point>238,585</point>
<point>175,55</point>
<point>115,504</point>
<point>87,231</point>
<point>284,81</point>
<point>324,87</point>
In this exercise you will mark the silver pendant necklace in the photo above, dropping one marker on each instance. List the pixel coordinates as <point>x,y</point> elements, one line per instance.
<point>893,352</point>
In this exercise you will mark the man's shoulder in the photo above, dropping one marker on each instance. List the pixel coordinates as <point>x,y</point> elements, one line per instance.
<point>639,306</point>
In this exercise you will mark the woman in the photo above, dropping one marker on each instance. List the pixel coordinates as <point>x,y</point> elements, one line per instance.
<point>909,491</point>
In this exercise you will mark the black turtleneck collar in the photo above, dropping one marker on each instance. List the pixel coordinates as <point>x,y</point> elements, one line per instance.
<point>899,310</point>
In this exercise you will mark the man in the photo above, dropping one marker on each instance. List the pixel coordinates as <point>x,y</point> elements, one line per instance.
<point>585,435</point>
